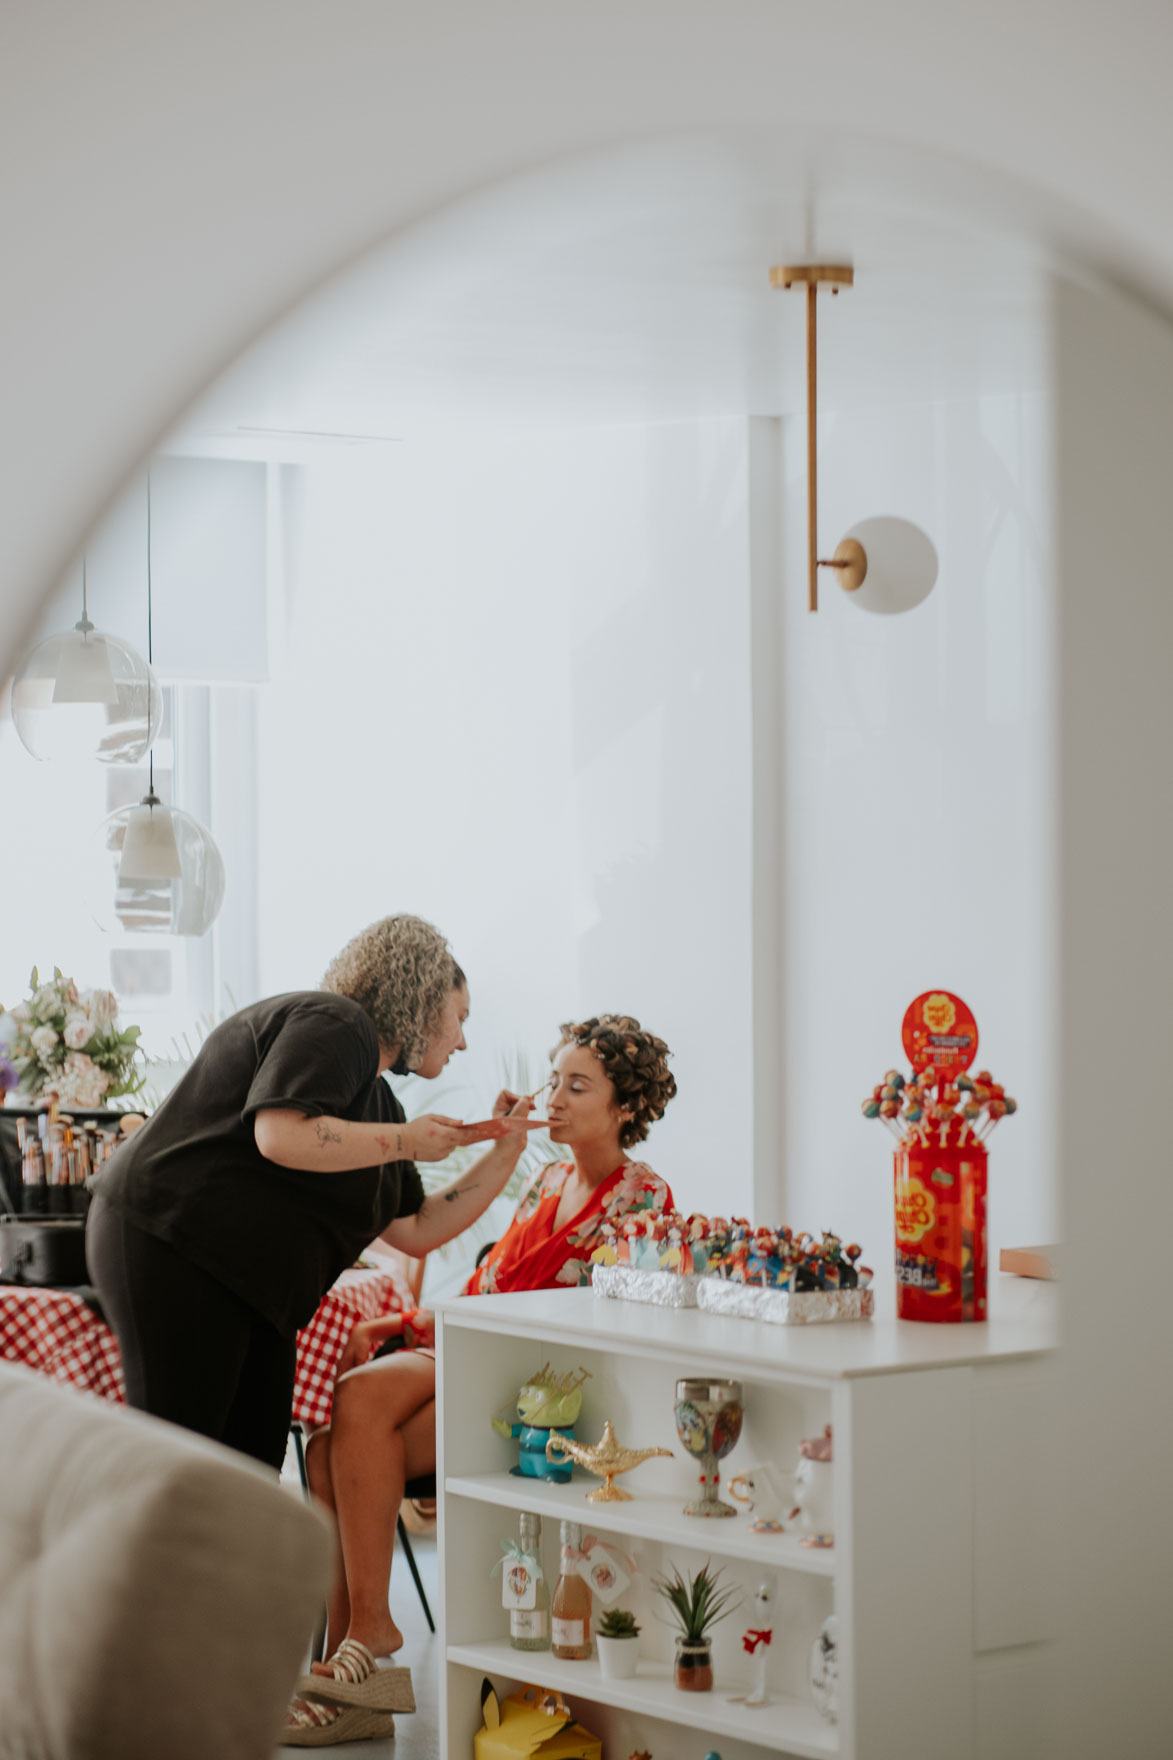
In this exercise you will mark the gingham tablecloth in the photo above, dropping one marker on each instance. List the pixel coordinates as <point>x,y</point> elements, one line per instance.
<point>53,1331</point>
<point>358,1295</point>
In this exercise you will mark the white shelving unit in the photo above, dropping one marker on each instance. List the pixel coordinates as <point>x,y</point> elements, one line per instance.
<point>935,1574</point>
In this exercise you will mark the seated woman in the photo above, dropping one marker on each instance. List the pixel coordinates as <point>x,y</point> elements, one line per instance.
<point>610,1082</point>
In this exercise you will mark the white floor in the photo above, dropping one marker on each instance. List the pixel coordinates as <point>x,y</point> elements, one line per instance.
<point>417,1737</point>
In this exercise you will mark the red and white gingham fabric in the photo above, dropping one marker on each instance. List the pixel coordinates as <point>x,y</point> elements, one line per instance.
<point>358,1295</point>
<point>53,1331</point>
<point>56,1333</point>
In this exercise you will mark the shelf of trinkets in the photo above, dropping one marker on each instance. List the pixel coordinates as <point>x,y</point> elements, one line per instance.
<point>652,1694</point>
<point>915,1412</point>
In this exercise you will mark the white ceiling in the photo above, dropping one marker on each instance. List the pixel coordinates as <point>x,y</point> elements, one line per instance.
<point>633,287</point>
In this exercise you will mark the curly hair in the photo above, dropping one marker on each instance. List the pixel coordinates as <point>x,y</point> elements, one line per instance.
<point>401,972</point>
<point>635,1061</point>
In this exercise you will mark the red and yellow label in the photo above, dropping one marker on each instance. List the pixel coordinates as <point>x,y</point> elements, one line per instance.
<point>916,1208</point>
<point>940,1034</point>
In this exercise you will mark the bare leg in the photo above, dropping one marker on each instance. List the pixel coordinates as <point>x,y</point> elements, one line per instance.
<point>383,1432</point>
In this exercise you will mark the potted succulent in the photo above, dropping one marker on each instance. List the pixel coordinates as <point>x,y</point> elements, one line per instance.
<point>617,1635</point>
<point>697,1603</point>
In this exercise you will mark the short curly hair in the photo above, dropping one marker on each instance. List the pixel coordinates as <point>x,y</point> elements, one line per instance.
<point>401,972</point>
<point>636,1063</point>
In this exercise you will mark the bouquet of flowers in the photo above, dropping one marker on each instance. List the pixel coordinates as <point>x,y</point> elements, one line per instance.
<point>69,1040</point>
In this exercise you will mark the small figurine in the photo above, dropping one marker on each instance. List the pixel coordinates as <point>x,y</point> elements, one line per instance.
<point>607,1457</point>
<point>813,1490</point>
<point>824,1670</point>
<point>756,1644</point>
<point>765,1492</point>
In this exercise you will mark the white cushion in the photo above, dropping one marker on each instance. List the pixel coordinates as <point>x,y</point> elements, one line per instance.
<point>156,1590</point>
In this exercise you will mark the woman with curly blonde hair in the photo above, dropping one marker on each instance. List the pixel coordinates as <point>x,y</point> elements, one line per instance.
<point>280,1154</point>
<point>610,1082</point>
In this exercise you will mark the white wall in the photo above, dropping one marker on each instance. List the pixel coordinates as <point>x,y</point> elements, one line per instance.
<point>514,700</point>
<point>917,775</point>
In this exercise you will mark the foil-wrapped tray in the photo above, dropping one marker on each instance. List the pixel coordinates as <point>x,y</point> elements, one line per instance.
<point>666,1289</point>
<point>783,1307</point>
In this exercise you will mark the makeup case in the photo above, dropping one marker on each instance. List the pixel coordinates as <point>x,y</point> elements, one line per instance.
<point>49,1251</point>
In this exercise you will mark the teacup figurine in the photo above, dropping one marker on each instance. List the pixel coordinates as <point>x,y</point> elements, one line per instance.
<point>766,1493</point>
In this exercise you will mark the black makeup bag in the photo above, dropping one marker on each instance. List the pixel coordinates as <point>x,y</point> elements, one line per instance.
<point>49,1251</point>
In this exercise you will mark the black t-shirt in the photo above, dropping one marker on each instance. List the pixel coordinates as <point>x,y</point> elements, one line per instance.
<point>193,1175</point>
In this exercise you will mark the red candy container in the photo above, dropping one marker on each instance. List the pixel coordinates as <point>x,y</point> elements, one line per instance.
<point>940,1118</point>
<point>941,1228</point>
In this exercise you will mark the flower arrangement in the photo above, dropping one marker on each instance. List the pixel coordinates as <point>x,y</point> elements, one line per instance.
<point>69,1040</point>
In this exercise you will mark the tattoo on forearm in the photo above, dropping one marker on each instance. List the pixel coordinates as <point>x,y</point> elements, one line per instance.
<point>325,1134</point>
<point>459,1191</point>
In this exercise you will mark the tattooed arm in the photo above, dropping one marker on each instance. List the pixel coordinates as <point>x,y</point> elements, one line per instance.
<point>452,1209</point>
<point>337,1145</point>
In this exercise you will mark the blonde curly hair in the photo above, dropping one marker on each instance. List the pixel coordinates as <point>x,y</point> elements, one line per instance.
<point>401,972</point>
<point>636,1063</point>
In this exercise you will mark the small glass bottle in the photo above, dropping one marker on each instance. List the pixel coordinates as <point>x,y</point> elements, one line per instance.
<point>570,1615</point>
<point>529,1627</point>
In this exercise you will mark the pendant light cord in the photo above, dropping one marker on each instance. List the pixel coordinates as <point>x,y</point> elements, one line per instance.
<point>150,641</point>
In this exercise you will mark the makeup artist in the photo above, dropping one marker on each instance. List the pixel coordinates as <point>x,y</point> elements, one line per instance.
<point>281,1153</point>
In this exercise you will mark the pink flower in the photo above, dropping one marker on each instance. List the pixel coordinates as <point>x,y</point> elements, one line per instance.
<point>77,1029</point>
<point>43,1039</point>
<point>103,1008</point>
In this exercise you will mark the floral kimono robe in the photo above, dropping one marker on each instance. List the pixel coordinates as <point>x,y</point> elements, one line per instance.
<point>532,1255</point>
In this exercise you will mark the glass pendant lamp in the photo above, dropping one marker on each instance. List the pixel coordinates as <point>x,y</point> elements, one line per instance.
<point>163,872</point>
<point>83,694</point>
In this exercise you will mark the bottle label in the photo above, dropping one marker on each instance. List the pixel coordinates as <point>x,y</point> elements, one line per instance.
<point>519,1585</point>
<point>569,1634</point>
<point>531,1623</point>
<point>602,1570</point>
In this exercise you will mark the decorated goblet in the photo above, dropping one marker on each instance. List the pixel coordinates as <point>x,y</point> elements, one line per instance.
<point>708,1423</point>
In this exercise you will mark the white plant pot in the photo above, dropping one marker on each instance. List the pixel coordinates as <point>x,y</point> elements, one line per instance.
<point>617,1657</point>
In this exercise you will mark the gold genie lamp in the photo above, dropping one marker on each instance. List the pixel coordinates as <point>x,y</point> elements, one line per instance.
<point>607,1457</point>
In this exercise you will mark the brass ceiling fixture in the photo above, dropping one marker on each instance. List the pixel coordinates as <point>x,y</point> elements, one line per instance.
<point>850,558</point>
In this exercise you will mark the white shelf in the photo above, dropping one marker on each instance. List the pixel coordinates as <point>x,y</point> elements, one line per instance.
<point>1022,1324</point>
<point>649,1516</point>
<point>783,1724</point>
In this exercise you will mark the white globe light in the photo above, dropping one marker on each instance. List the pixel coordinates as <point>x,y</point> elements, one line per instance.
<point>902,565</point>
<point>82,694</point>
<point>159,871</point>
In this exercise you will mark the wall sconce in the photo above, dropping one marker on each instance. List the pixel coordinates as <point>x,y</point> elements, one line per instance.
<point>902,558</point>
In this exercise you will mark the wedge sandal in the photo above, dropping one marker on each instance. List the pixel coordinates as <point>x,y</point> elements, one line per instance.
<point>312,1724</point>
<point>355,1679</point>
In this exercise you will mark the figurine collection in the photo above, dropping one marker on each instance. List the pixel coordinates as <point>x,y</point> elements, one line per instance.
<point>711,1246</point>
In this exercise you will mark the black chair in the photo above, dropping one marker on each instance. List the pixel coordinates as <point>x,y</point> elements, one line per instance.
<point>421,1488</point>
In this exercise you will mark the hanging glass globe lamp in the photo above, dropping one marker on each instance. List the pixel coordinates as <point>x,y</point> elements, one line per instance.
<point>82,694</point>
<point>161,871</point>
